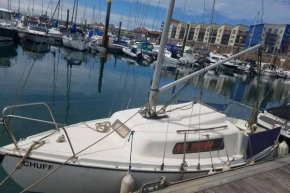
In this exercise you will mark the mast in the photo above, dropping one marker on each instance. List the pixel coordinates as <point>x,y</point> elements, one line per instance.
<point>33,7</point>
<point>18,6</point>
<point>61,10</point>
<point>41,7</point>
<point>72,16</point>
<point>77,2</point>
<point>154,86</point>
<point>93,18</point>
<point>100,12</point>
<point>210,30</point>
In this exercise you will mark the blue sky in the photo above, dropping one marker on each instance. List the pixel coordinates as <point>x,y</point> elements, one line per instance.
<point>226,11</point>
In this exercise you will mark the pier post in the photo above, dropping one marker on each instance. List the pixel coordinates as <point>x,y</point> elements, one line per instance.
<point>67,18</point>
<point>119,32</point>
<point>185,38</point>
<point>105,38</point>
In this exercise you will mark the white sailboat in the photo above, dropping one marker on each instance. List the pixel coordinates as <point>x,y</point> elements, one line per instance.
<point>75,39</point>
<point>181,141</point>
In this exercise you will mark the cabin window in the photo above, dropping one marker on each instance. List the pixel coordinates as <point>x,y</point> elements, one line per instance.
<point>121,128</point>
<point>1,16</point>
<point>199,146</point>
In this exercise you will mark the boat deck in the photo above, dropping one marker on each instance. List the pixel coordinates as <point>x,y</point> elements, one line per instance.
<point>271,176</point>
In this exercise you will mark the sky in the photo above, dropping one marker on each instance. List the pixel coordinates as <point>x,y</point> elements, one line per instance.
<point>226,11</point>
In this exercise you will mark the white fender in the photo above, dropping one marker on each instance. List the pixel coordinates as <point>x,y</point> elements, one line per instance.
<point>127,184</point>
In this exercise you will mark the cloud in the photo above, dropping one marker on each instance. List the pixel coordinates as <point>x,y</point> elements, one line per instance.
<point>232,11</point>
<point>275,11</point>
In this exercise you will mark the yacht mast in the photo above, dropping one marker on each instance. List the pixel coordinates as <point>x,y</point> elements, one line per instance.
<point>77,2</point>
<point>154,86</point>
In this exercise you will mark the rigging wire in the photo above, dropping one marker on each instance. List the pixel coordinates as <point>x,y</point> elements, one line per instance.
<point>155,16</point>
<point>165,144</point>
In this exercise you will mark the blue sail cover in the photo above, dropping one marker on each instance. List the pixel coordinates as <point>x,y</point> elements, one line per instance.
<point>260,141</point>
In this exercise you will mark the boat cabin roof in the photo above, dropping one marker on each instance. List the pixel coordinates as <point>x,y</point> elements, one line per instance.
<point>282,112</point>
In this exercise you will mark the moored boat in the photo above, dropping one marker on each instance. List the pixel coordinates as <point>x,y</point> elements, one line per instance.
<point>75,39</point>
<point>37,34</point>
<point>8,27</point>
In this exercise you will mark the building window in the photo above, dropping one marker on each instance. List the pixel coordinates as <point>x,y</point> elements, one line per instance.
<point>270,30</point>
<point>276,31</point>
<point>234,31</point>
<point>218,40</point>
<point>233,37</point>
<point>219,35</point>
<point>281,31</point>
<point>207,29</point>
<point>220,30</point>
<point>265,29</point>
<point>231,41</point>
<point>205,38</point>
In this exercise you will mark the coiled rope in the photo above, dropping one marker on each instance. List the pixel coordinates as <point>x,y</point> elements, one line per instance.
<point>102,127</point>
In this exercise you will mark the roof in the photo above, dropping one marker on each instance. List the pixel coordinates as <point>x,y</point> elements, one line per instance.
<point>227,26</point>
<point>5,10</point>
<point>154,32</point>
<point>174,21</point>
<point>141,29</point>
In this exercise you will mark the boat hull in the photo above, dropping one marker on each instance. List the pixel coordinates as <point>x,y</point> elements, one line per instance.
<point>36,38</point>
<point>8,33</point>
<point>86,178</point>
<point>71,178</point>
<point>74,44</point>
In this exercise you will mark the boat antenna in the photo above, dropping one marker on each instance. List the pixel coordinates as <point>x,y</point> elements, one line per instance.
<point>154,85</point>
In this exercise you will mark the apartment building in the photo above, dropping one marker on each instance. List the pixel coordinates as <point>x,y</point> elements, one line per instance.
<point>211,32</point>
<point>271,36</point>
<point>180,30</point>
<point>223,34</point>
<point>238,33</point>
<point>172,28</point>
<point>199,32</point>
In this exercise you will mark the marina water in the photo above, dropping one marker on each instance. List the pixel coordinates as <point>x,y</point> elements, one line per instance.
<point>79,86</point>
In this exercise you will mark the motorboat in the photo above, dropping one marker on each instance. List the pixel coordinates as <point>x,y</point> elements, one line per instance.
<point>8,26</point>
<point>281,73</point>
<point>75,39</point>
<point>37,34</point>
<point>55,35</point>
<point>117,46</point>
<point>213,57</point>
<point>172,54</point>
<point>177,141</point>
<point>268,70</point>
<point>147,50</point>
<point>272,117</point>
<point>132,52</point>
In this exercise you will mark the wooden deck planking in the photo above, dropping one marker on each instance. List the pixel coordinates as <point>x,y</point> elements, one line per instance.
<point>268,177</point>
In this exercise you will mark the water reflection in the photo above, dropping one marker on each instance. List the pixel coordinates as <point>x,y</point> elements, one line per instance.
<point>35,50</point>
<point>73,57</point>
<point>7,53</point>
